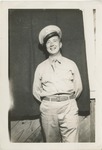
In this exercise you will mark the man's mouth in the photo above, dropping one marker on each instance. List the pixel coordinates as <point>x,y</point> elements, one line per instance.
<point>52,48</point>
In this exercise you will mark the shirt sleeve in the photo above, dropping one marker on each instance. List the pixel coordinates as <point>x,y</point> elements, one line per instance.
<point>37,84</point>
<point>77,81</point>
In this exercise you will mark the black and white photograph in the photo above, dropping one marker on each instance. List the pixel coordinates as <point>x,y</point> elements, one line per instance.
<point>51,91</point>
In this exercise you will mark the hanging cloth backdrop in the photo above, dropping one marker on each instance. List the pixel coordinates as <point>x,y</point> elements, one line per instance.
<point>25,55</point>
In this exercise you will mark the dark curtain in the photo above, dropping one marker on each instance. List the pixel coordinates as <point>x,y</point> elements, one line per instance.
<point>25,55</point>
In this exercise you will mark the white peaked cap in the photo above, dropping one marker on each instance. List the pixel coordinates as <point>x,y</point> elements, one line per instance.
<point>48,30</point>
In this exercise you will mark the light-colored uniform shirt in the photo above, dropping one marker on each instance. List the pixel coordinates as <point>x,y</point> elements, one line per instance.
<point>61,77</point>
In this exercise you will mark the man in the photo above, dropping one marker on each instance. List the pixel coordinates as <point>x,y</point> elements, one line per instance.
<point>57,84</point>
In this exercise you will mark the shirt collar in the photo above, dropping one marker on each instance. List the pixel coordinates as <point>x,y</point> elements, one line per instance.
<point>58,58</point>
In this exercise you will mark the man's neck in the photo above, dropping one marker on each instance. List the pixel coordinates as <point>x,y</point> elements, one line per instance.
<point>55,55</point>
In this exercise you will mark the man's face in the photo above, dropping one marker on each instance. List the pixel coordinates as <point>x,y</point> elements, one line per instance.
<point>53,45</point>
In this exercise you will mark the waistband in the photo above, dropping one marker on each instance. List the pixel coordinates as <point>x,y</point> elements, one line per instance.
<point>59,98</point>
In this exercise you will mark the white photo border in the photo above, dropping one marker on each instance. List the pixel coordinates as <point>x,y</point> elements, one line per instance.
<point>5,104</point>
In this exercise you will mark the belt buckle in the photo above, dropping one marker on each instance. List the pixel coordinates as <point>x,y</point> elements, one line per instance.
<point>58,99</point>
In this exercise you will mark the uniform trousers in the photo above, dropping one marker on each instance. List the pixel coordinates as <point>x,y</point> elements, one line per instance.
<point>60,120</point>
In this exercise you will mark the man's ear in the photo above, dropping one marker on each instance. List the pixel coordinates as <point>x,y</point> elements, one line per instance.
<point>60,44</point>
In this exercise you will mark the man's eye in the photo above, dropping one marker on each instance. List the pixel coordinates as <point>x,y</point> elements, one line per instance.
<point>54,40</point>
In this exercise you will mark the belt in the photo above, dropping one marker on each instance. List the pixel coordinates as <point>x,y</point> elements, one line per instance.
<point>59,98</point>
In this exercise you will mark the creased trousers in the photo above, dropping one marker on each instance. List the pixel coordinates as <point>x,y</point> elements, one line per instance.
<point>60,120</point>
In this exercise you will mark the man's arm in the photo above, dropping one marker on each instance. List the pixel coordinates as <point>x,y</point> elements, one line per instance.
<point>77,81</point>
<point>37,85</point>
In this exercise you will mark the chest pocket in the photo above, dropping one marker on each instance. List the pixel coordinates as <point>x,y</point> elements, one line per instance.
<point>67,74</point>
<point>46,77</point>
<point>70,75</point>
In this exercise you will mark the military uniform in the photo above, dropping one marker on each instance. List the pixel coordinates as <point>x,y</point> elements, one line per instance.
<point>57,84</point>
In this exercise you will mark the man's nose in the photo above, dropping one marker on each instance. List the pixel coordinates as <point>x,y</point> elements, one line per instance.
<point>51,44</point>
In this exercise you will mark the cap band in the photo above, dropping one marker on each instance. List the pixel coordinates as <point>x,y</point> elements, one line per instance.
<point>50,35</point>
